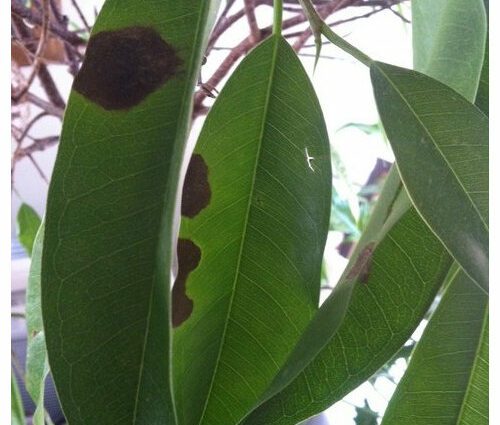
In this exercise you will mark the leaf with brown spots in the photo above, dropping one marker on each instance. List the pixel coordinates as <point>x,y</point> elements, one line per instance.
<point>109,221</point>
<point>256,201</point>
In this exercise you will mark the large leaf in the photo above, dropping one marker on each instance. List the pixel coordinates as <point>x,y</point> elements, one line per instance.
<point>256,207</point>
<point>37,366</point>
<point>108,231</point>
<point>449,40</point>
<point>394,286</point>
<point>440,141</point>
<point>28,222</point>
<point>447,379</point>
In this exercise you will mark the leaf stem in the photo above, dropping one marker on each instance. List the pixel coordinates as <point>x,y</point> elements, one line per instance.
<point>278,17</point>
<point>345,46</point>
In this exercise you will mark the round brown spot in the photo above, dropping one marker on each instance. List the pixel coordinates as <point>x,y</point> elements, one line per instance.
<point>196,192</point>
<point>122,67</point>
<point>189,256</point>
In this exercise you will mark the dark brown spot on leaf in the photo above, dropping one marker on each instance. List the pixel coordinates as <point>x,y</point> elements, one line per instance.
<point>196,192</point>
<point>361,268</point>
<point>189,256</point>
<point>122,67</point>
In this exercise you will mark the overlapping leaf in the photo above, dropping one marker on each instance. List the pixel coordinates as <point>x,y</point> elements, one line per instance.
<point>256,207</point>
<point>393,288</point>
<point>108,232</point>
<point>37,366</point>
<point>440,141</point>
<point>449,40</point>
<point>447,380</point>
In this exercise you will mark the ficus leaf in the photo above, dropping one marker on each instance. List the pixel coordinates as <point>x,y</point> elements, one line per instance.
<point>109,222</point>
<point>447,378</point>
<point>256,207</point>
<point>432,128</point>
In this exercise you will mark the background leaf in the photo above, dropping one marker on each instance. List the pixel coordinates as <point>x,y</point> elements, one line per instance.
<point>37,366</point>
<point>256,206</point>
<point>447,379</point>
<point>17,410</point>
<point>432,128</point>
<point>28,222</point>
<point>449,40</point>
<point>109,223</point>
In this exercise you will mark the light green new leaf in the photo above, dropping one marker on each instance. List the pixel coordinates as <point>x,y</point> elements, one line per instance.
<point>37,366</point>
<point>17,410</point>
<point>447,380</point>
<point>109,222</point>
<point>28,222</point>
<point>449,40</point>
<point>256,207</point>
<point>393,284</point>
<point>440,141</point>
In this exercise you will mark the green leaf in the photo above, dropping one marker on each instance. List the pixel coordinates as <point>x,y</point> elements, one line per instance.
<point>17,410</point>
<point>37,366</point>
<point>483,91</point>
<point>256,207</point>
<point>315,23</point>
<point>28,222</point>
<point>449,40</point>
<point>341,217</point>
<point>393,283</point>
<point>447,379</point>
<point>109,224</point>
<point>440,141</point>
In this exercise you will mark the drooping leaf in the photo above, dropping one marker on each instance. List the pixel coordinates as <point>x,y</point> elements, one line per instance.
<point>28,222</point>
<point>256,206</point>
<point>449,40</point>
<point>447,380</point>
<point>37,366</point>
<point>368,129</point>
<point>17,410</point>
<point>109,222</point>
<point>394,286</point>
<point>440,141</point>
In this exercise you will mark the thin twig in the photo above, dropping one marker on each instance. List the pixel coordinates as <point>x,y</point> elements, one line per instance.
<point>38,53</point>
<point>81,15</point>
<point>249,7</point>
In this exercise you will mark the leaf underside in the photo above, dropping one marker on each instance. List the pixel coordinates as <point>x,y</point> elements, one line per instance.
<point>108,235</point>
<point>252,248</point>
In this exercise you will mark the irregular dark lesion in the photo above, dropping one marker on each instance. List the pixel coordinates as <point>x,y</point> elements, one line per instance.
<point>189,256</point>
<point>122,67</point>
<point>196,193</point>
<point>361,269</point>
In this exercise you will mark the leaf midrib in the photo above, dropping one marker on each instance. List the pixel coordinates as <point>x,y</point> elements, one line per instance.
<point>245,225</point>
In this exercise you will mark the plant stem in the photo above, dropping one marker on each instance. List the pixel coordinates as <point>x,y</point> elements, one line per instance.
<point>346,46</point>
<point>278,16</point>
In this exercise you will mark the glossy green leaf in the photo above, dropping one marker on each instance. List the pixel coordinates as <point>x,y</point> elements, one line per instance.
<point>28,222</point>
<point>37,366</point>
<point>447,379</point>
<point>440,141</point>
<point>109,222</point>
<point>392,288</point>
<point>17,410</point>
<point>256,207</point>
<point>449,40</point>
